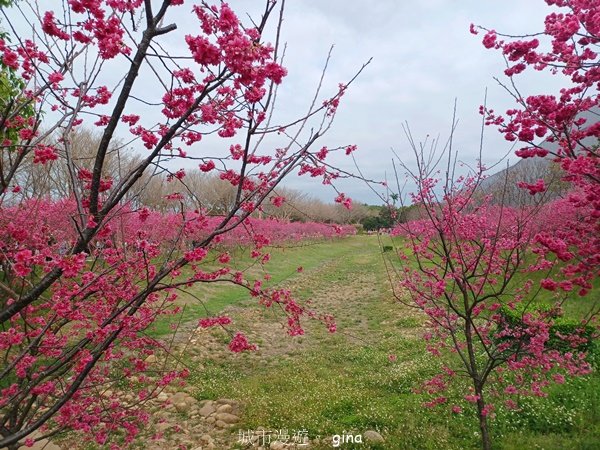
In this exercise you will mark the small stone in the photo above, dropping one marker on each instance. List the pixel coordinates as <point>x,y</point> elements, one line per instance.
<point>277,445</point>
<point>182,397</point>
<point>182,407</point>
<point>372,436</point>
<point>227,408</point>
<point>211,420</point>
<point>221,424</point>
<point>207,410</point>
<point>227,418</point>
<point>183,402</point>
<point>206,438</point>
<point>151,359</point>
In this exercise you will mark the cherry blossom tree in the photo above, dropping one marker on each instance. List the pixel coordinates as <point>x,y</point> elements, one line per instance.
<point>82,276</point>
<point>467,266</point>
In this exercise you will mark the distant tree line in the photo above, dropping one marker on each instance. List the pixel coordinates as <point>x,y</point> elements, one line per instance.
<point>155,190</point>
<point>388,216</point>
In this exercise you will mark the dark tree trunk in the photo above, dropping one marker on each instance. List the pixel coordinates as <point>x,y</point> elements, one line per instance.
<point>486,440</point>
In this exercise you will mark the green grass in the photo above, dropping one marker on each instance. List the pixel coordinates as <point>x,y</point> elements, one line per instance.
<point>203,300</point>
<point>574,305</point>
<point>344,383</point>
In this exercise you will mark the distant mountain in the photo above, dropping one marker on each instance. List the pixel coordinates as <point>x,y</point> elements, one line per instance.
<point>529,170</point>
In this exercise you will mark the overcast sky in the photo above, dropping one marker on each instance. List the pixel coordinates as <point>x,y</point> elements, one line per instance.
<point>423,58</point>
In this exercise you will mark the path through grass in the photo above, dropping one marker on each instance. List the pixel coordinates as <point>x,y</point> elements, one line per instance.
<point>344,382</point>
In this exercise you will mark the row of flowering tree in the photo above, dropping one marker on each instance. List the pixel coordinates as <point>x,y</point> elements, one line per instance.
<point>131,226</point>
<point>83,275</point>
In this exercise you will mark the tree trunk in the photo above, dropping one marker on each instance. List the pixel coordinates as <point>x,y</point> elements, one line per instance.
<point>486,440</point>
